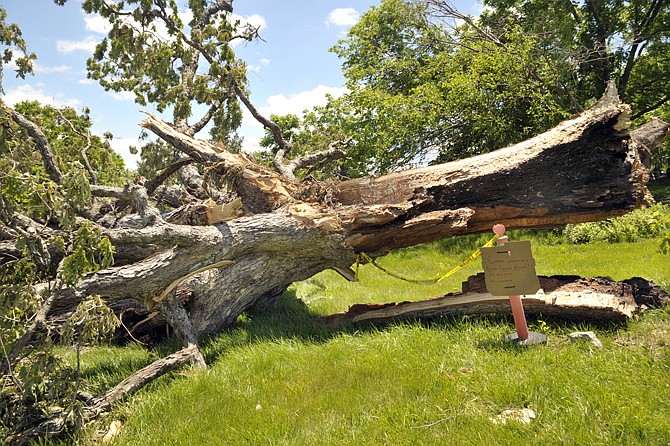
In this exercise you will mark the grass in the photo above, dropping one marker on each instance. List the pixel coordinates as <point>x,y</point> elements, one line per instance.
<point>327,293</point>
<point>414,383</point>
<point>280,378</point>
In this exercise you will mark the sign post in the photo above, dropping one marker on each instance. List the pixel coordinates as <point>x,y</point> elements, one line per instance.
<point>509,270</point>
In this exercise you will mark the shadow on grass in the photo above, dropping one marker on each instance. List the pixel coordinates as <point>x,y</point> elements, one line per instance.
<point>291,318</point>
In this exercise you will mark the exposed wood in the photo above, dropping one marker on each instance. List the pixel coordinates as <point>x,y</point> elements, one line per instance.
<point>570,174</point>
<point>585,169</point>
<point>568,297</point>
<point>261,189</point>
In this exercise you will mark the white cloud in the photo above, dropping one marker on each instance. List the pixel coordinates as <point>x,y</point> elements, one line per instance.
<point>30,93</point>
<point>122,147</point>
<point>97,23</point>
<point>281,104</point>
<point>55,69</point>
<point>70,46</point>
<point>122,95</point>
<point>265,61</point>
<point>85,81</point>
<point>343,17</point>
<point>256,20</point>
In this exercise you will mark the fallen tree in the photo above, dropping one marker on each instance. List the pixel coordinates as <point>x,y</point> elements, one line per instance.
<point>587,168</point>
<point>568,297</point>
<point>198,268</point>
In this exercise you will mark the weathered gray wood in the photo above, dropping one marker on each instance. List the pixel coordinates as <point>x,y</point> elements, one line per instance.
<point>587,168</point>
<point>568,297</point>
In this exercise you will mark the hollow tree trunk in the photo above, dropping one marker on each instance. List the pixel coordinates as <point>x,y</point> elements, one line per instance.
<point>585,169</point>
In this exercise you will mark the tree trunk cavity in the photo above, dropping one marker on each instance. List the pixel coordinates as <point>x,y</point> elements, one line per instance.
<point>587,168</point>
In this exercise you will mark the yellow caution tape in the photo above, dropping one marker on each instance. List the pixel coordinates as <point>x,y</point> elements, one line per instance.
<point>364,258</point>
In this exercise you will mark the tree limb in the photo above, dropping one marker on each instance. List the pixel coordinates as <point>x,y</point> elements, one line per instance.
<point>314,159</point>
<point>42,145</point>
<point>163,175</point>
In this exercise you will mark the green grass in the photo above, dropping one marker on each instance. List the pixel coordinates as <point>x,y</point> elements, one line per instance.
<point>327,292</point>
<point>280,378</point>
<point>414,383</point>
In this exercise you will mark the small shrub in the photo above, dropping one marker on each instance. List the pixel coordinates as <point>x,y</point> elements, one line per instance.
<point>639,224</point>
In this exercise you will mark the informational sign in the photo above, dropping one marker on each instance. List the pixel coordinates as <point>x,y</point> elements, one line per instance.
<point>509,269</point>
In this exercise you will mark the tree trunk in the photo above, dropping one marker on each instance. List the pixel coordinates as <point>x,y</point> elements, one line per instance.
<point>567,297</point>
<point>585,169</point>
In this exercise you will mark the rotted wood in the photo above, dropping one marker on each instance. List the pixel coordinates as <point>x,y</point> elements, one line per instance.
<point>567,297</point>
<point>585,169</point>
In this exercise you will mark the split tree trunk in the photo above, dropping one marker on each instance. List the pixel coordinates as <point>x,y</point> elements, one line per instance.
<point>567,297</point>
<point>585,169</point>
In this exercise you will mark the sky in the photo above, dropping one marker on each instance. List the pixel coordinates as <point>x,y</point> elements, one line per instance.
<point>290,70</point>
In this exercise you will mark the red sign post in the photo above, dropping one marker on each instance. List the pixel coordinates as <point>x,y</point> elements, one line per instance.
<point>509,269</point>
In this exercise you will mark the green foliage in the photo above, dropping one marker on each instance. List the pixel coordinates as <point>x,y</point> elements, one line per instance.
<point>154,157</point>
<point>11,42</point>
<point>594,41</point>
<point>421,89</point>
<point>92,321</point>
<point>290,380</point>
<point>152,53</point>
<point>308,135</point>
<point>91,250</point>
<point>54,249</point>
<point>636,225</point>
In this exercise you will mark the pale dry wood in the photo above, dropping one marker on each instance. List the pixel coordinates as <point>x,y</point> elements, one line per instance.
<point>566,297</point>
<point>587,168</point>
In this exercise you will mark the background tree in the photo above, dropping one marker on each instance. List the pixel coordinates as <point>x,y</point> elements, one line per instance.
<point>11,44</point>
<point>214,256</point>
<point>423,87</point>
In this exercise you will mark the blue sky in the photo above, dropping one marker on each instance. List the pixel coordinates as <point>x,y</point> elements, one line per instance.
<point>290,70</point>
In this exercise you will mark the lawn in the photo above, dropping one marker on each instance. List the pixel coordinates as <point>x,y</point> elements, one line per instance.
<point>282,379</point>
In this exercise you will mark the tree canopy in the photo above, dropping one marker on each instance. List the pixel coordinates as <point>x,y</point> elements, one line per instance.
<point>81,235</point>
<point>429,83</point>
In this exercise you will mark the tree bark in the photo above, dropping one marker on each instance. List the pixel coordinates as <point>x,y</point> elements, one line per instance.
<point>587,168</point>
<point>567,297</point>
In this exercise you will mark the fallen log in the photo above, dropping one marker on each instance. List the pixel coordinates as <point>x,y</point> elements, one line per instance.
<point>567,297</point>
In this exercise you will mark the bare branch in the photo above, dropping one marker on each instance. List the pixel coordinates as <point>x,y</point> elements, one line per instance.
<point>84,151</point>
<point>148,213</point>
<point>652,107</point>
<point>314,159</point>
<point>195,128</point>
<point>165,174</point>
<point>284,146</point>
<point>442,9</point>
<point>110,191</point>
<point>42,144</point>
